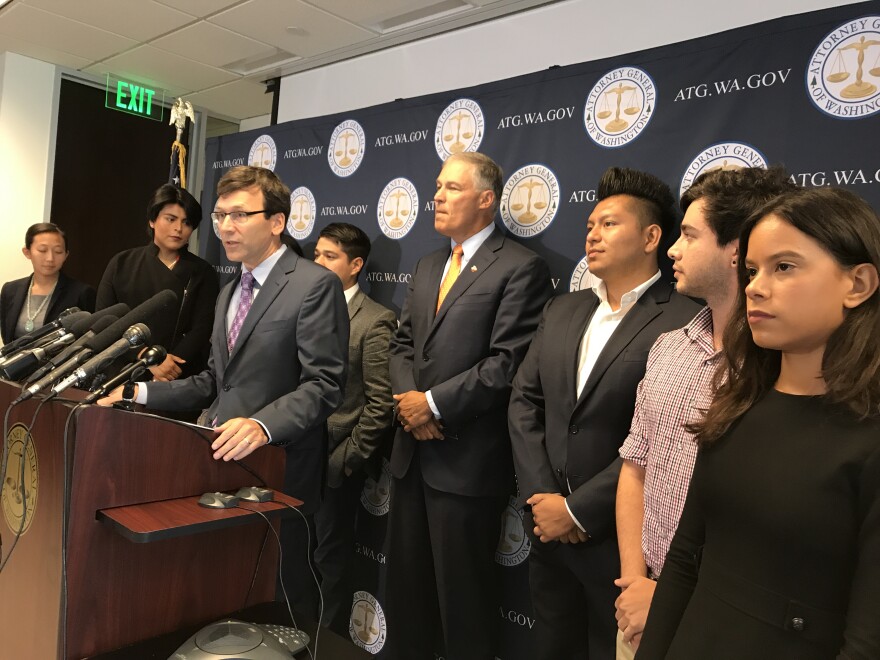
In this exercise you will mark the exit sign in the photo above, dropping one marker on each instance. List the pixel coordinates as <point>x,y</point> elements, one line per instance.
<point>134,98</point>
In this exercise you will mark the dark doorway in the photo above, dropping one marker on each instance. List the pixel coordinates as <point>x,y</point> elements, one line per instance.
<point>107,164</point>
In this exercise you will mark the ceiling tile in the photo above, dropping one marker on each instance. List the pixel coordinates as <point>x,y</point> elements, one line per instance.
<point>35,25</point>
<point>211,44</point>
<point>371,13</point>
<point>240,99</point>
<point>167,70</point>
<point>200,8</point>
<point>317,31</point>
<point>41,52</point>
<point>137,19</point>
<point>101,70</point>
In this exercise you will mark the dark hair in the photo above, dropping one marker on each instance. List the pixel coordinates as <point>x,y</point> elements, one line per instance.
<point>487,173</point>
<point>849,230</point>
<point>43,228</point>
<point>351,240</point>
<point>658,204</point>
<point>731,196</point>
<point>276,195</point>
<point>171,194</point>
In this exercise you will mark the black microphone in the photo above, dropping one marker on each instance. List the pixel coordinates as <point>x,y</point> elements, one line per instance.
<point>75,347</point>
<point>65,320</point>
<point>25,362</point>
<point>81,327</point>
<point>136,335</point>
<point>34,339</point>
<point>37,343</point>
<point>150,358</point>
<point>142,313</point>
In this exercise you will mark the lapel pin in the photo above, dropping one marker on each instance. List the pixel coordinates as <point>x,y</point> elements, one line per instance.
<point>473,269</point>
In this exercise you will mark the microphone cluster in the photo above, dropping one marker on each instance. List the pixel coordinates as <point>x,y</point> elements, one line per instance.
<point>78,346</point>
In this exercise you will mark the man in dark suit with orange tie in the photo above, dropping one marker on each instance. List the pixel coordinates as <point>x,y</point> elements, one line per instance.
<point>571,409</point>
<point>470,312</point>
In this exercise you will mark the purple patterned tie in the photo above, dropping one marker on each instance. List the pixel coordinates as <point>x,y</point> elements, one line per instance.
<point>244,304</point>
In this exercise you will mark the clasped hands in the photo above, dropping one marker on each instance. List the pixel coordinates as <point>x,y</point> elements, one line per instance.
<point>416,416</point>
<point>632,606</point>
<point>553,522</point>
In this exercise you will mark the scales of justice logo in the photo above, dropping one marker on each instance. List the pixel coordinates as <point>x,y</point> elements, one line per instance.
<point>721,156</point>
<point>21,481</point>
<point>513,545</point>
<point>367,626</point>
<point>376,495</point>
<point>582,278</point>
<point>530,200</point>
<point>460,127</point>
<point>303,210</point>
<point>619,106</point>
<point>397,208</point>
<point>843,73</point>
<point>263,153</point>
<point>346,149</point>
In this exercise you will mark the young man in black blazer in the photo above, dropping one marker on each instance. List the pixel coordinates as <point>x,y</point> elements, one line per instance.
<point>571,407</point>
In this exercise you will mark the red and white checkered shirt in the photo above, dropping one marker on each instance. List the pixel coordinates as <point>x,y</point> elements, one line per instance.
<point>676,387</point>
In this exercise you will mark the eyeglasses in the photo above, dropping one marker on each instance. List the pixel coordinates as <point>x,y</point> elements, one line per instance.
<point>237,217</point>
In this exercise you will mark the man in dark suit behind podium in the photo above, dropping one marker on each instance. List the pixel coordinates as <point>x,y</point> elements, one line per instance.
<point>571,409</point>
<point>470,312</point>
<point>278,356</point>
<point>359,426</point>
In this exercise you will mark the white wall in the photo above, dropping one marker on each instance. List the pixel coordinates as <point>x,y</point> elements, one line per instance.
<point>562,33</point>
<point>28,118</point>
<point>260,121</point>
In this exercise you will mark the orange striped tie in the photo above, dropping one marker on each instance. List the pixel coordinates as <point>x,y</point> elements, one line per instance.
<point>451,275</point>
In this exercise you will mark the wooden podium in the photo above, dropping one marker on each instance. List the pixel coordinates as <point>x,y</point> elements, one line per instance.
<point>142,558</point>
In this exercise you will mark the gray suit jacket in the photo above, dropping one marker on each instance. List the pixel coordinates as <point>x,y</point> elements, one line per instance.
<point>287,369</point>
<point>567,444</point>
<point>467,354</point>
<point>363,421</point>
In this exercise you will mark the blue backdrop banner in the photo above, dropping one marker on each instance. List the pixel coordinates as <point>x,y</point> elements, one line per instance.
<point>802,91</point>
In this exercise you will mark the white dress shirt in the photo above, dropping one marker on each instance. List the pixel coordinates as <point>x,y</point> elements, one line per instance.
<point>599,330</point>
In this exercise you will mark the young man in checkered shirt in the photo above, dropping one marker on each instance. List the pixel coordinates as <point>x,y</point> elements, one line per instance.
<point>659,452</point>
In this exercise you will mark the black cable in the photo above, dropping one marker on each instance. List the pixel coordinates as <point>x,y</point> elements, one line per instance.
<point>247,596</point>
<point>66,520</point>
<point>5,456</point>
<point>281,574</point>
<point>28,439</point>
<point>312,569</point>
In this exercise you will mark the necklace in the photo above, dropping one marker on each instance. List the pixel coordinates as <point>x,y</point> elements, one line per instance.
<point>29,324</point>
<point>170,265</point>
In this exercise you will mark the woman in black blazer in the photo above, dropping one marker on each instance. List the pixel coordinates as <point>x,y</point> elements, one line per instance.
<point>39,298</point>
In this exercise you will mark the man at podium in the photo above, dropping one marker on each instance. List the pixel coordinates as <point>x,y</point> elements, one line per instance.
<point>272,378</point>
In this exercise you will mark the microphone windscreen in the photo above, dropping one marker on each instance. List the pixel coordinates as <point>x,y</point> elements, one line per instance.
<point>82,326</point>
<point>162,302</point>
<point>73,319</point>
<point>103,323</point>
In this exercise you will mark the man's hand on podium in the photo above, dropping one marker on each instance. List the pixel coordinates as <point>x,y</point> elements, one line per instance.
<point>238,437</point>
<point>114,396</point>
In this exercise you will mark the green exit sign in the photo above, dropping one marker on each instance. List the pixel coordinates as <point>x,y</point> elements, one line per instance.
<point>134,98</point>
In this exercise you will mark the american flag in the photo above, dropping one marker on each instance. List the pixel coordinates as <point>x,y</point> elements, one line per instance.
<point>177,171</point>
